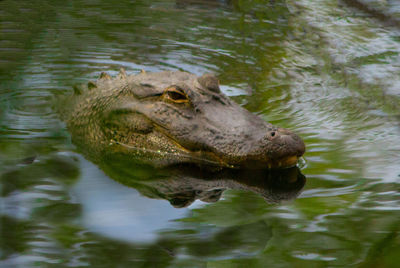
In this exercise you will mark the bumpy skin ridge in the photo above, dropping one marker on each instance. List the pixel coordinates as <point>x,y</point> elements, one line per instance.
<point>174,117</point>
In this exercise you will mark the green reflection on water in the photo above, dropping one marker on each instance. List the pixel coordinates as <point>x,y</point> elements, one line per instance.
<point>328,71</point>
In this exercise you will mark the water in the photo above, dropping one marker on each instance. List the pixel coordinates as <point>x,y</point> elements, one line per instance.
<point>327,70</point>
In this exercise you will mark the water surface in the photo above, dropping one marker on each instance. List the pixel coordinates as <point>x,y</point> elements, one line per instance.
<point>328,70</point>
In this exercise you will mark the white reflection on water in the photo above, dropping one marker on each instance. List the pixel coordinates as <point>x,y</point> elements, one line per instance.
<point>117,211</point>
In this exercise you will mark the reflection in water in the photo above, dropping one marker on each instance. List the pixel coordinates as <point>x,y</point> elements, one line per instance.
<point>120,212</point>
<point>182,185</point>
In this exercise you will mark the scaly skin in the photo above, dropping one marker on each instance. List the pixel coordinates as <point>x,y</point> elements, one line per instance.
<point>174,117</point>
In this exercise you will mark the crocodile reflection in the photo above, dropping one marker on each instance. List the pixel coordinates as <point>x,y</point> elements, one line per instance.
<point>181,185</point>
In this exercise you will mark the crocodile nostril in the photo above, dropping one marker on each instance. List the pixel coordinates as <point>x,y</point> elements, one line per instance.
<point>272,135</point>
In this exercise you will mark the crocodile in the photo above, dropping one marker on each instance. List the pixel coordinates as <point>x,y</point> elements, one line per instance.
<point>173,117</point>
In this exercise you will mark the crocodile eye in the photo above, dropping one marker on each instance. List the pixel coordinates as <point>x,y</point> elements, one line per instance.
<point>175,94</point>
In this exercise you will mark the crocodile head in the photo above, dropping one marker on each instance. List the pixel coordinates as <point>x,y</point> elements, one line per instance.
<point>177,117</point>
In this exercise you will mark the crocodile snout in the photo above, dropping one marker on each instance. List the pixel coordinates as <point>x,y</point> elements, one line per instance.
<point>290,142</point>
<point>285,147</point>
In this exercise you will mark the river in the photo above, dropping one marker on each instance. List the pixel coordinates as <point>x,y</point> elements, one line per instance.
<point>327,69</point>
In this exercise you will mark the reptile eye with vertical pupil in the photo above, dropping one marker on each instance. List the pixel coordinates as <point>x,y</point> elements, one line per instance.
<point>176,95</point>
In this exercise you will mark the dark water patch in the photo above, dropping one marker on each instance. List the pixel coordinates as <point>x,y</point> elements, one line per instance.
<point>385,13</point>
